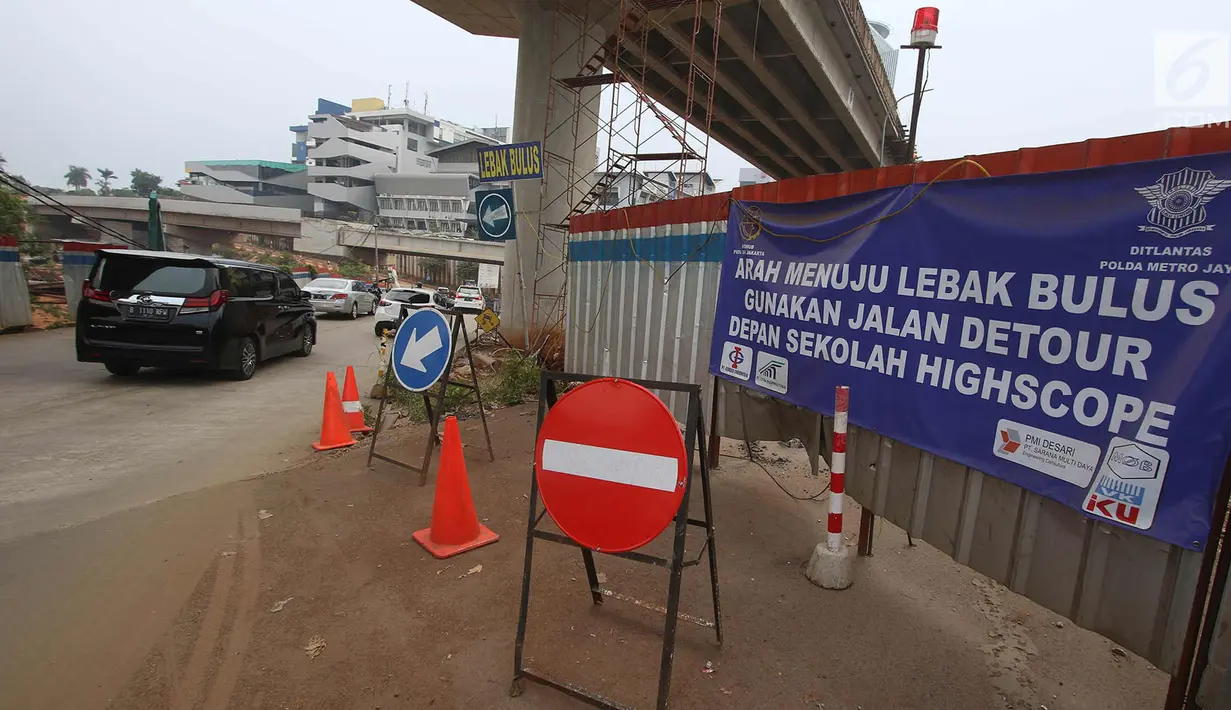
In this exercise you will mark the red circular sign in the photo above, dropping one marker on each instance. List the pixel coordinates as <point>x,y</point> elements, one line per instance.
<point>611,465</point>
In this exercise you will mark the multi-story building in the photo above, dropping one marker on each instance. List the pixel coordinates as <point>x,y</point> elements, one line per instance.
<point>752,176</point>
<point>888,52</point>
<point>248,182</point>
<point>299,149</point>
<point>631,187</point>
<point>690,184</point>
<point>365,162</point>
<point>346,153</point>
<point>436,203</point>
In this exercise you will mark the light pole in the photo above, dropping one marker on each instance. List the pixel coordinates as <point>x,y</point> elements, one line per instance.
<point>885,123</point>
<point>922,39</point>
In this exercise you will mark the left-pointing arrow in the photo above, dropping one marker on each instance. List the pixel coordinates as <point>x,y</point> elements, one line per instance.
<point>419,348</point>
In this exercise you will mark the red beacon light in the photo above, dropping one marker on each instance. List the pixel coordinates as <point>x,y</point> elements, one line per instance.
<point>923,31</point>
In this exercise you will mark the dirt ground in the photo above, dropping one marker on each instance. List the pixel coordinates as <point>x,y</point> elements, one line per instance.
<point>210,599</point>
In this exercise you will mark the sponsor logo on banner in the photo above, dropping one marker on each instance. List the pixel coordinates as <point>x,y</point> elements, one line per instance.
<point>736,360</point>
<point>1129,484</point>
<point>1178,200</point>
<point>1055,455</point>
<point>772,372</point>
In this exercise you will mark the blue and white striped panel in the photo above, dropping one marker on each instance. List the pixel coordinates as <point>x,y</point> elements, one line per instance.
<point>9,254</point>
<point>77,258</point>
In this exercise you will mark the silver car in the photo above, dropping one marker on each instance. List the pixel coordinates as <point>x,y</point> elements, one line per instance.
<point>341,297</point>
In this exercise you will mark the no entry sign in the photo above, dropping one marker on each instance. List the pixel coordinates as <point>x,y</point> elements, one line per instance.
<point>611,465</point>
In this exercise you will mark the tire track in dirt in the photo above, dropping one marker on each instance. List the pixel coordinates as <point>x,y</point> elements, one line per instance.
<point>245,592</point>
<point>186,690</point>
<point>1009,649</point>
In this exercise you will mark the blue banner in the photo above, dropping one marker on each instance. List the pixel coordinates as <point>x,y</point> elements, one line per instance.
<point>1066,332</point>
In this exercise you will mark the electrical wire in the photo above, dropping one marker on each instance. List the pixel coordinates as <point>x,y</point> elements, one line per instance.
<point>29,190</point>
<point>777,483</point>
<point>743,417</point>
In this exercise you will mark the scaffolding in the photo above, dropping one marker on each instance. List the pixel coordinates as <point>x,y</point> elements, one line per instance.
<point>662,154</point>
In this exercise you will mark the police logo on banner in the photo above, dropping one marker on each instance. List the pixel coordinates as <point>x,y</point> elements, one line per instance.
<point>750,223</point>
<point>1178,200</point>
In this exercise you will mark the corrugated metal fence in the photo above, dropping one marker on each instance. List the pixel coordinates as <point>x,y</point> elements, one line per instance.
<point>640,303</point>
<point>642,288</point>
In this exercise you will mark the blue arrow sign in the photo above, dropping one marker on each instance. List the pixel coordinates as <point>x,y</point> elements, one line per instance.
<point>497,220</point>
<point>421,350</point>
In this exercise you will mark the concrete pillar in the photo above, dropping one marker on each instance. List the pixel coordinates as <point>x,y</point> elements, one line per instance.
<point>565,182</point>
<point>124,228</point>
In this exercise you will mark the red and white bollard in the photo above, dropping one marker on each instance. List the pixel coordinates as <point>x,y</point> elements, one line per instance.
<point>831,563</point>
<point>837,469</point>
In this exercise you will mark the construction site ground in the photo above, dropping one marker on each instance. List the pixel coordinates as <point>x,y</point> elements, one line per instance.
<point>303,589</point>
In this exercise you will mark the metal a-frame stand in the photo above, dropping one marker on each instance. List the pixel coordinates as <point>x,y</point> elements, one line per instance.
<point>433,413</point>
<point>693,436</point>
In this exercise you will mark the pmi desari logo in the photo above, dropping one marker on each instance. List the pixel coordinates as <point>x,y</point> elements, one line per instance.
<point>1010,440</point>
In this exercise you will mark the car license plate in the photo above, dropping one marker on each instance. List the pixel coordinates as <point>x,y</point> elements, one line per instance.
<point>149,312</point>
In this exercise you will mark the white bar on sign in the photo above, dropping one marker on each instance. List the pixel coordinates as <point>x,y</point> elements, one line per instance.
<point>631,468</point>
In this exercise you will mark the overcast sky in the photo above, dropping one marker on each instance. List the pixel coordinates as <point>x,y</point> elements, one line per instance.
<point>150,83</point>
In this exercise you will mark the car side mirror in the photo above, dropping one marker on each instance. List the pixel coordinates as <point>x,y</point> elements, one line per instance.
<point>305,296</point>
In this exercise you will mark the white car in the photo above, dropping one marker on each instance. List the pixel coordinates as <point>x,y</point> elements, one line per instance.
<point>469,298</point>
<point>397,303</point>
<point>344,297</point>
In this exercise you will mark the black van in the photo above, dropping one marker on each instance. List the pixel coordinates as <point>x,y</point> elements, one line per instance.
<point>163,309</point>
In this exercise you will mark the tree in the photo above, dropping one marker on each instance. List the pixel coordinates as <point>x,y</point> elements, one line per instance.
<point>467,271</point>
<point>13,213</point>
<point>77,177</point>
<point>103,183</point>
<point>433,268</point>
<point>144,183</point>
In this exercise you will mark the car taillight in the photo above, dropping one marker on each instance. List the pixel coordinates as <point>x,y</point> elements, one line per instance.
<point>338,297</point>
<point>198,304</point>
<point>90,293</point>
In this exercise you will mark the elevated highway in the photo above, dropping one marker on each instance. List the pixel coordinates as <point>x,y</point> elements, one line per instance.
<point>798,85</point>
<point>190,225</point>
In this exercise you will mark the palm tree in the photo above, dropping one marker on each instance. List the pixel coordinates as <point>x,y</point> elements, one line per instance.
<point>77,177</point>
<point>105,176</point>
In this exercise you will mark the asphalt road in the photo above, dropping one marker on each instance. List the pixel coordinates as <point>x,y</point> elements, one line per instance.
<point>77,444</point>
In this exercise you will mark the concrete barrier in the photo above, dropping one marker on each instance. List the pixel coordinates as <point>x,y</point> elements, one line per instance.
<point>76,260</point>
<point>14,290</point>
<point>301,276</point>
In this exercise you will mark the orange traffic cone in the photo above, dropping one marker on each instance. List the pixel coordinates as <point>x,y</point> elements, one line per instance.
<point>455,526</point>
<point>334,432</point>
<point>351,406</point>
